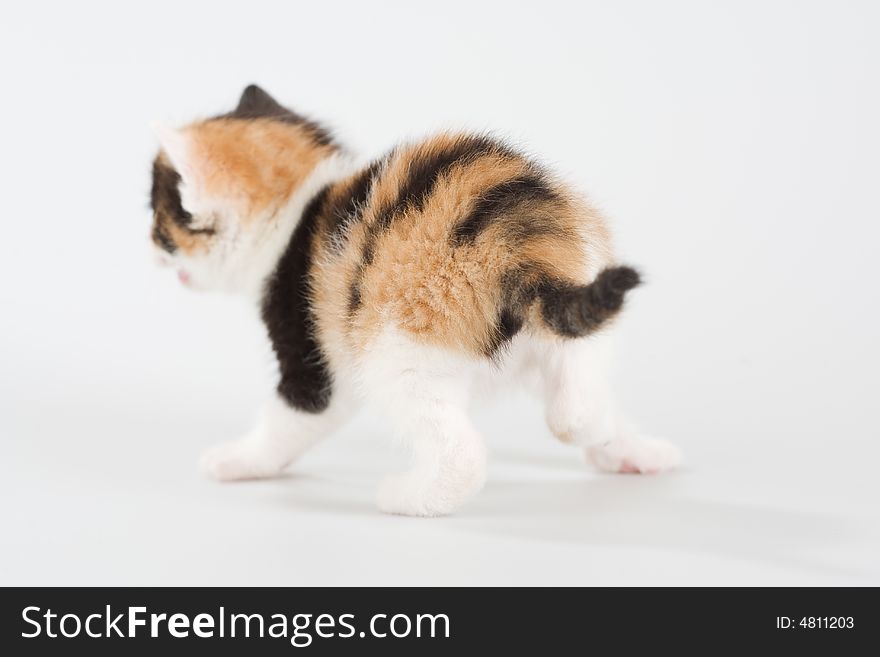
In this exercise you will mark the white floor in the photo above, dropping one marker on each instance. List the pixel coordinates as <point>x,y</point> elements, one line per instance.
<point>119,502</point>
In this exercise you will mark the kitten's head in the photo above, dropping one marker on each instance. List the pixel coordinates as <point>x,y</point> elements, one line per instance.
<point>218,185</point>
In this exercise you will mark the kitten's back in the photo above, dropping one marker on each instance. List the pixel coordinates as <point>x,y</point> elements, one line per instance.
<point>460,241</point>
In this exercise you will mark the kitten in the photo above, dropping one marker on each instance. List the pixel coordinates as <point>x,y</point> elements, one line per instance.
<point>438,269</point>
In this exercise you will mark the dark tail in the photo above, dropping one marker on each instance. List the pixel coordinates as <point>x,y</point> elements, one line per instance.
<point>576,310</point>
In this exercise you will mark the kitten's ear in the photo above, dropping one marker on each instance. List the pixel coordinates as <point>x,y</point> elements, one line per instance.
<point>178,148</point>
<point>255,102</point>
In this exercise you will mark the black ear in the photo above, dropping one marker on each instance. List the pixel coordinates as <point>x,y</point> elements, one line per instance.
<point>256,103</point>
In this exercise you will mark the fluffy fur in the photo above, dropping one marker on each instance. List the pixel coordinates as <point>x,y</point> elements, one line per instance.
<point>433,271</point>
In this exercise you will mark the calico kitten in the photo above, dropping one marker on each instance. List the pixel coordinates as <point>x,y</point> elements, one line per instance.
<point>410,283</point>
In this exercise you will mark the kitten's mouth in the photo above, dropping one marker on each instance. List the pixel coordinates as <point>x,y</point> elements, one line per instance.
<point>183,277</point>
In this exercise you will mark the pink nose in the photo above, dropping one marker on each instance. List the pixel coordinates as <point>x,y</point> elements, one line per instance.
<point>183,276</point>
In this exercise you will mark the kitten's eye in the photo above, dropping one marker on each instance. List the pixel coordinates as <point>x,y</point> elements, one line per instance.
<point>201,227</point>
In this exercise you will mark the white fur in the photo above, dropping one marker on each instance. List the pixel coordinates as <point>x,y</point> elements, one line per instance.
<point>280,436</point>
<point>424,393</point>
<point>580,409</point>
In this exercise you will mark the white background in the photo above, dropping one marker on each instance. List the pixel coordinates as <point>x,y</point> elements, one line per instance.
<point>734,147</point>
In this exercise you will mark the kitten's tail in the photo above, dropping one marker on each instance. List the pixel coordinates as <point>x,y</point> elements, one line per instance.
<point>575,310</point>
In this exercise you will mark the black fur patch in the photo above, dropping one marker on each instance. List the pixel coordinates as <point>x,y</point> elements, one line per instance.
<point>255,103</point>
<point>518,292</point>
<point>509,323</point>
<point>569,310</point>
<point>501,201</point>
<point>576,310</point>
<point>349,208</point>
<point>306,382</point>
<point>162,238</point>
<point>165,194</point>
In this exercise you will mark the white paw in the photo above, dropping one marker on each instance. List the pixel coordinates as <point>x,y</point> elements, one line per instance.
<point>240,460</point>
<point>641,455</point>
<point>412,495</point>
<point>401,494</point>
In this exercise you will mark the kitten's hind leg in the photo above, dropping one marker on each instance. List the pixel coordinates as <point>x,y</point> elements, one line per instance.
<point>280,436</point>
<point>580,409</point>
<point>449,462</point>
<point>424,393</point>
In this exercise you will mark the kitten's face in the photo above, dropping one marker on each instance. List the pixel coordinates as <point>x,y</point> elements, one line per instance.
<point>187,235</point>
<point>218,185</point>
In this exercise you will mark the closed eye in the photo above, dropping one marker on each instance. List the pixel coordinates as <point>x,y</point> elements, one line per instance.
<point>193,226</point>
<point>199,231</point>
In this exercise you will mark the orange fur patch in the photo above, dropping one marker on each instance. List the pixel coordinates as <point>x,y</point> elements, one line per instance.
<point>259,162</point>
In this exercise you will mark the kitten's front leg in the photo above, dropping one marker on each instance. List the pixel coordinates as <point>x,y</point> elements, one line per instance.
<point>282,433</point>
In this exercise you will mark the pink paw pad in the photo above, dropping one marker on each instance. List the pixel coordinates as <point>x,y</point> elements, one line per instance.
<point>628,467</point>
